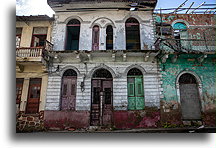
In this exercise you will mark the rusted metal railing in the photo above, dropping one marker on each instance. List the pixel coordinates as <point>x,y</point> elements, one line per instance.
<point>187,45</point>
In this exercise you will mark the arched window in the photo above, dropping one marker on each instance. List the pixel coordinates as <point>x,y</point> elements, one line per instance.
<point>181,35</point>
<point>73,33</point>
<point>95,37</point>
<point>68,95</point>
<point>132,34</point>
<point>109,37</point>
<point>180,31</point>
<point>189,97</point>
<point>135,89</point>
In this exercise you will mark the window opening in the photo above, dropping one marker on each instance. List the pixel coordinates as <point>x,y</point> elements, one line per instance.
<point>132,34</point>
<point>39,36</point>
<point>73,33</point>
<point>109,37</point>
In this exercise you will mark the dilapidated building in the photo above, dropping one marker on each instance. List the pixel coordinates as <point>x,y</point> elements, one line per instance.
<point>187,63</point>
<point>33,34</point>
<point>104,69</point>
<point>115,64</point>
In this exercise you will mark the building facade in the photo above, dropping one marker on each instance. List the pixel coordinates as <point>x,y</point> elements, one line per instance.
<point>188,68</point>
<point>33,34</point>
<point>104,69</point>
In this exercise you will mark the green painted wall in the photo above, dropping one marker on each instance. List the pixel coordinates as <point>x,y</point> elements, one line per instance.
<point>206,71</point>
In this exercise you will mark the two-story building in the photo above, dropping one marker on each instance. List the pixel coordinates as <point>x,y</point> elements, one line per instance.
<point>104,69</point>
<point>187,64</point>
<point>33,36</point>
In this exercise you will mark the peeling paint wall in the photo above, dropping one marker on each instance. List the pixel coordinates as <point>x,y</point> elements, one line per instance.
<point>206,72</point>
<point>103,18</point>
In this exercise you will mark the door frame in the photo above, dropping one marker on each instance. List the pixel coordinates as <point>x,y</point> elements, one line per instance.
<point>101,79</point>
<point>199,87</point>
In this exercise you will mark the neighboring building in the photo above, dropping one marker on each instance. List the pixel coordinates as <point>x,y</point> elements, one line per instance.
<point>104,69</point>
<point>32,46</point>
<point>187,63</point>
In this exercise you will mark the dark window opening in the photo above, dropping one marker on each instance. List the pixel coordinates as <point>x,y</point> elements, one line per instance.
<point>70,72</point>
<point>109,38</point>
<point>187,79</point>
<point>96,92</point>
<point>132,34</point>
<point>102,73</point>
<point>39,36</point>
<point>108,95</point>
<point>134,72</point>
<point>73,33</point>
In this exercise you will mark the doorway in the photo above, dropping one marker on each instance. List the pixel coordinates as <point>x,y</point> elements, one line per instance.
<point>189,97</point>
<point>102,96</point>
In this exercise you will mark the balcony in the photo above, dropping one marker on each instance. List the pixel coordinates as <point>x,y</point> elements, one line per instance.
<point>33,54</point>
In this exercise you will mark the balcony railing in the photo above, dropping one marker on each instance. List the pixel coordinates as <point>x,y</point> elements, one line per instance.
<point>187,45</point>
<point>34,52</point>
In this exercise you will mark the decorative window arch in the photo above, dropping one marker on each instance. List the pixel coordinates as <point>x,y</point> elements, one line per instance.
<point>73,34</point>
<point>132,34</point>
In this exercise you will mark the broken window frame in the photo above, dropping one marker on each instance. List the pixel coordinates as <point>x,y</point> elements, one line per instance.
<point>39,39</point>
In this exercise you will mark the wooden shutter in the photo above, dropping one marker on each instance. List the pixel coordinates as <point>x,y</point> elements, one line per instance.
<point>131,94</point>
<point>139,93</point>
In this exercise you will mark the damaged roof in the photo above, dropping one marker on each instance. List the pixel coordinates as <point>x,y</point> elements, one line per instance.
<point>150,3</point>
<point>34,18</point>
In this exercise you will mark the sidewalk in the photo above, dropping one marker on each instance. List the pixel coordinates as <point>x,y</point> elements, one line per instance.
<point>141,130</point>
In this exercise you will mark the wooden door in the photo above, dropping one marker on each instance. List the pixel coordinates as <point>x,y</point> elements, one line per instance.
<point>135,93</point>
<point>33,100</point>
<point>95,38</point>
<point>101,107</point>
<point>68,93</point>
<point>19,87</point>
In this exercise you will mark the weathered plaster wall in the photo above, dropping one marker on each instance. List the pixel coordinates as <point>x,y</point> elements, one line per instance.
<point>205,71</point>
<point>103,18</point>
<point>152,86</point>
